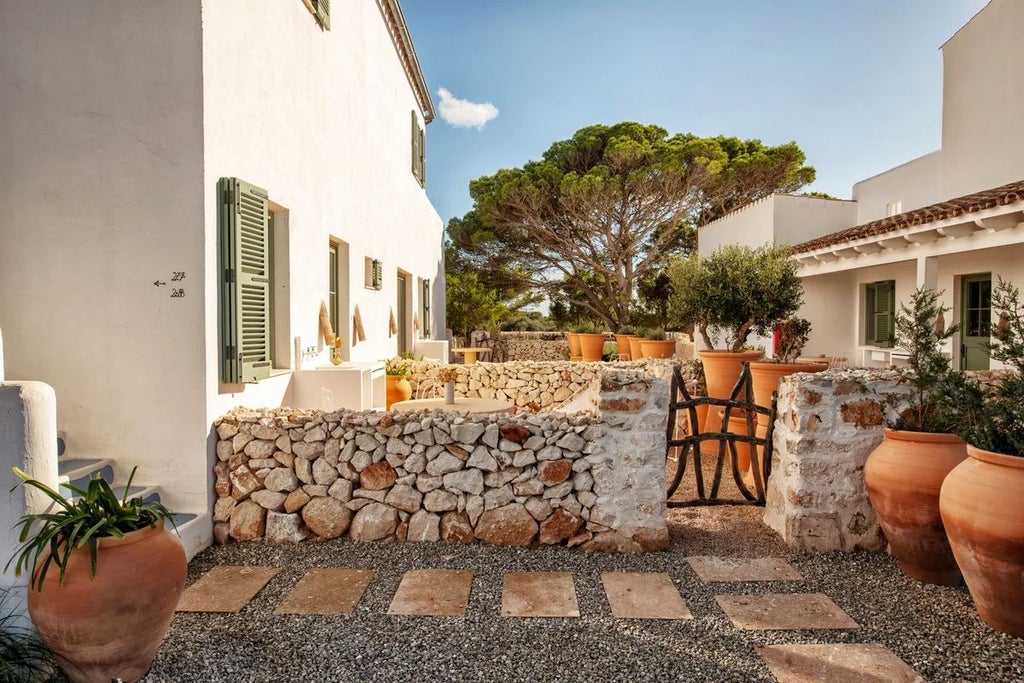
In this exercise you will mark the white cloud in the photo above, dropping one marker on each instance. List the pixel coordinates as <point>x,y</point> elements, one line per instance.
<point>463,113</point>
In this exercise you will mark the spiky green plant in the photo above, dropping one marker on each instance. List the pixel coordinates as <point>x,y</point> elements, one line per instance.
<point>94,513</point>
<point>23,657</point>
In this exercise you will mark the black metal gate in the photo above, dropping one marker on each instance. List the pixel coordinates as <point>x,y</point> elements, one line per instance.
<point>688,446</point>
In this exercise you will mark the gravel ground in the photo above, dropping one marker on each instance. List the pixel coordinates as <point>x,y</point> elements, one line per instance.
<point>934,629</point>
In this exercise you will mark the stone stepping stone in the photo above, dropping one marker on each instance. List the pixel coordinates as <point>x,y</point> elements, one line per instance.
<point>225,589</point>
<point>433,593</point>
<point>326,591</point>
<point>784,612</point>
<point>539,594</point>
<point>837,663</point>
<point>643,595</point>
<point>723,569</point>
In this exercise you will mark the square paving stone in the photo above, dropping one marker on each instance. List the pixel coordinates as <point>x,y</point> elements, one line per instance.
<point>643,595</point>
<point>539,594</point>
<point>225,589</point>
<point>784,611</point>
<point>433,592</point>
<point>711,569</point>
<point>326,591</point>
<point>838,663</point>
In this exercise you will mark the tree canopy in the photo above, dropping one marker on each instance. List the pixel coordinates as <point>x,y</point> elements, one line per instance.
<point>602,210</point>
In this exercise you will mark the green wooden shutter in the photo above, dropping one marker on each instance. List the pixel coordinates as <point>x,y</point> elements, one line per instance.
<point>323,13</point>
<point>423,152</point>
<point>881,313</point>
<point>245,281</point>
<point>426,309</point>
<point>869,314</point>
<point>378,274</point>
<point>414,136</point>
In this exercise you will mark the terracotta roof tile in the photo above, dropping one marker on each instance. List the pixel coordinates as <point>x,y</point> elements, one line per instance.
<point>971,203</point>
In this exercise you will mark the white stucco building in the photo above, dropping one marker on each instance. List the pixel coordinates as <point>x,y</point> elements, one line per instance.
<point>183,184</point>
<point>952,220</point>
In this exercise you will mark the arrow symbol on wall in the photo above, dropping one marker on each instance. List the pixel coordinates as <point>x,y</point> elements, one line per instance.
<point>158,283</point>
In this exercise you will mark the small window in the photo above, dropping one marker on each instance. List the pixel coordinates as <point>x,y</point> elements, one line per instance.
<point>880,313</point>
<point>425,307</point>
<point>321,11</point>
<point>419,152</point>
<point>374,273</point>
<point>332,285</point>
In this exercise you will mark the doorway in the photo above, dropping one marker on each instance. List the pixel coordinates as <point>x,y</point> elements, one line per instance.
<point>402,309</point>
<point>975,321</point>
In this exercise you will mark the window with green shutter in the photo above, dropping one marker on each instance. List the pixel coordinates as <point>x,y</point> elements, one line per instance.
<point>419,154</point>
<point>245,274</point>
<point>425,307</point>
<point>880,313</point>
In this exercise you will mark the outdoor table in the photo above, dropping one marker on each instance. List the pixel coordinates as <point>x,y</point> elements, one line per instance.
<point>462,405</point>
<point>471,353</point>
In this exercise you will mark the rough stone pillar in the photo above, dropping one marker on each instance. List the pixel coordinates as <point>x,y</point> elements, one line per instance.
<point>28,440</point>
<point>828,423</point>
<point>629,472</point>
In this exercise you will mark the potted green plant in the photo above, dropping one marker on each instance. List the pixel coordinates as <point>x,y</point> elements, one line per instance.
<point>106,577</point>
<point>656,345</point>
<point>591,341</point>
<point>904,473</point>
<point>980,498</point>
<point>398,388</point>
<point>732,293</point>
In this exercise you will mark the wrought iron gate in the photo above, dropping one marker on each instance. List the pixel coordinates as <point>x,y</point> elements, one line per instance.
<point>688,446</point>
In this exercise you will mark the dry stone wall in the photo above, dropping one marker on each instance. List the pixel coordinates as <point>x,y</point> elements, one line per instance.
<point>589,480</point>
<point>534,385</point>
<point>827,425</point>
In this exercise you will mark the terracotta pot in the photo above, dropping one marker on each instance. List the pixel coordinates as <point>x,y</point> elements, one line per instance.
<point>658,348</point>
<point>622,342</point>
<point>635,352</point>
<point>980,506</point>
<point>738,425</point>
<point>111,626</point>
<point>721,370</point>
<point>398,389</point>
<point>591,346</point>
<point>764,379</point>
<point>903,476</point>
<point>574,345</point>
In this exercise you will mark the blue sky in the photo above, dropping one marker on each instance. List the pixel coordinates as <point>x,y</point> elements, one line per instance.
<point>857,84</point>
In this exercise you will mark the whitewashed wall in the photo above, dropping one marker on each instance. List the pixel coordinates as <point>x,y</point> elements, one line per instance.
<point>913,184</point>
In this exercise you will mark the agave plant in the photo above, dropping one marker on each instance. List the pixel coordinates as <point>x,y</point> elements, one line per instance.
<point>93,513</point>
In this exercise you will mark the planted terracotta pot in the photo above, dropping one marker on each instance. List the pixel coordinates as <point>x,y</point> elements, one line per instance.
<point>111,626</point>
<point>591,346</point>
<point>721,370</point>
<point>574,345</point>
<point>738,425</point>
<point>984,519</point>
<point>398,389</point>
<point>764,380</point>
<point>903,476</point>
<point>622,342</point>
<point>658,348</point>
<point>635,352</point>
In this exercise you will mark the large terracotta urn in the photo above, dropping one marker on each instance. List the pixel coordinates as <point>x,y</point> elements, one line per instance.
<point>721,371</point>
<point>903,476</point>
<point>658,348</point>
<point>574,345</point>
<point>111,626</point>
<point>398,389</point>
<point>591,346</point>
<point>622,342</point>
<point>981,508</point>
<point>635,351</point>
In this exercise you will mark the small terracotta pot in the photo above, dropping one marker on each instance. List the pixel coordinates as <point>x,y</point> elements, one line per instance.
<point>591,346</point>
<point>398,389</point>
<point>721,370</point>
<point>635,352</point>
<point>980,506</point>
<point>658,348</point>
<point>574,345</point>
<point>622,342</point>
<point>111,626</point>
<point>903,476</point>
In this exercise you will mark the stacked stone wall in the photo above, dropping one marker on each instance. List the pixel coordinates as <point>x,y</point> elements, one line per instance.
<point>589,480</point>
